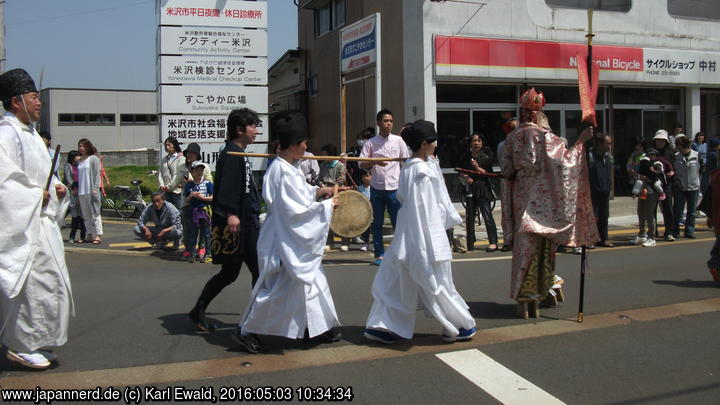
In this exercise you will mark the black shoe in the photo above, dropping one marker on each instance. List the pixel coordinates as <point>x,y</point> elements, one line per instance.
<point>505,248</point>
<point>330,336</point>
<point>249,343</point>
<point>197,317</point>
<point>690,236</point>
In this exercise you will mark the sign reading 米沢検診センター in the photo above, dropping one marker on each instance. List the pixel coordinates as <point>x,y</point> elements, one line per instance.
<point>358,45</point>
<point>210,99</point>
<point>213,70</point>
<point>214,13</point>
<point>212,41</point>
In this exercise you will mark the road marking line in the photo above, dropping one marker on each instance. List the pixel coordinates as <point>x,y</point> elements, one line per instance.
<point>291,360</point>
<point>495,379</point>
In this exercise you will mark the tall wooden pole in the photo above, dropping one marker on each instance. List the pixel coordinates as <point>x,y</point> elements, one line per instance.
<point>583,257</point>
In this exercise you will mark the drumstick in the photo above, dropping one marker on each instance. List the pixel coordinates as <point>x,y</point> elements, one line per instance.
<point>488,174</point>
<point>351,158</point>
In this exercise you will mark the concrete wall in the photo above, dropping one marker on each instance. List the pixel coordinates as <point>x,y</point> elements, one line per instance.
<point>323,59</point>
<point>149,157</point>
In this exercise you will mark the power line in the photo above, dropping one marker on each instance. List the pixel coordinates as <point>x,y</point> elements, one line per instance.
<point>79,13</point>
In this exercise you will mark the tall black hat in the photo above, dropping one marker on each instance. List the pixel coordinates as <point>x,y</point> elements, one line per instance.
<point>15,82</point>
<point>417,132</point>
<point>290,128</point>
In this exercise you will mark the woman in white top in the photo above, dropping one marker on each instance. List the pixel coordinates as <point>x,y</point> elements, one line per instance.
<point>89,190</point>
<point>171,172</point>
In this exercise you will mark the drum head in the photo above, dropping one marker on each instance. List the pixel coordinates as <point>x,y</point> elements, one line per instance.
<point>353,216</point>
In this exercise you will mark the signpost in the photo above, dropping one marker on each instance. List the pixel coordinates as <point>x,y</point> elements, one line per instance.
<point>212,59</point>
<point>359,49</point>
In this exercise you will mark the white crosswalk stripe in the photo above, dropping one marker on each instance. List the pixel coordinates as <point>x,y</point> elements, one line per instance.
<point>497,380</point>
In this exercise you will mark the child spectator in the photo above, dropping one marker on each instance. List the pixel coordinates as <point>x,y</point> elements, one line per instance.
<point>364,188</point>
<point>655,174</point>
<point>198,195</point>
<point>332,173</point>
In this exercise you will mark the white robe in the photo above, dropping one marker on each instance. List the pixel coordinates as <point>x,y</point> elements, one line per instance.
<point>418,261</point>
<point>35,292</point>
<point>292,292</point>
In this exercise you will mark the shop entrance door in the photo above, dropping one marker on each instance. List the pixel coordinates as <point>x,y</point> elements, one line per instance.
<point>658,119</point>
<point>490,124</point>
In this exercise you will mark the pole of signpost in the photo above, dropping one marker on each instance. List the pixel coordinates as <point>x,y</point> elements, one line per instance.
<point>583,257</point>
<point>343,115</point>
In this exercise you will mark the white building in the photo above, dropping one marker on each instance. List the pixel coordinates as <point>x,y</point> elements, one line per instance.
<point>463,64</point>
<point>113,120</point>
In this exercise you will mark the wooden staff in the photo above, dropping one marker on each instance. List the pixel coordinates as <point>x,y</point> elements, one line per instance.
<point>349,158</point>
<point>487,174</point>
<point>52,168</point>
<point>583,250</point>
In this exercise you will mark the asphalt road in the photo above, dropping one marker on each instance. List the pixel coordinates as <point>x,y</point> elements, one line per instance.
<point>651,331</point>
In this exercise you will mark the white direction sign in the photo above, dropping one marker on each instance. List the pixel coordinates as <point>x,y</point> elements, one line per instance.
<point>358,45</point>
<point>212,41</point>
<point>212,70</point>
<point>211,151</point>
<point>202,128</point>
<point>207,99</point>
<point>214,13</point>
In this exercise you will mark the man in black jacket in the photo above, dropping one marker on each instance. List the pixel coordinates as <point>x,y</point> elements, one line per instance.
<point>235,218</point>
<point>600,167</point>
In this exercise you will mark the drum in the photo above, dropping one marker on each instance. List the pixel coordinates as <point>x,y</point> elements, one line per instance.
<point>353,216</point>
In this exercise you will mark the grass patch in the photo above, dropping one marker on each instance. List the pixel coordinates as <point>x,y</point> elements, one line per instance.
<point>121,176</point>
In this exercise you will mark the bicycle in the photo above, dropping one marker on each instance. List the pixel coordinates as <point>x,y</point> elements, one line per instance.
<point>128,202</point>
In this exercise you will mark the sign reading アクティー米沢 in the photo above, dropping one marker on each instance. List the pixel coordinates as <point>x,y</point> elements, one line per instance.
<point>212,41</point>
<point>358,45</point>
<point>213,13</point>
<point>212,70</point>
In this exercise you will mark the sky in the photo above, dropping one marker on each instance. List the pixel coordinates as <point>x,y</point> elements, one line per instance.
<point>108,44</point>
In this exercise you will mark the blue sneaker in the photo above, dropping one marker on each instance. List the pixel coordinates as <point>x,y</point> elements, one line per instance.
<point>381,336</point>
<point>378,261</point>
<point>465,334</point>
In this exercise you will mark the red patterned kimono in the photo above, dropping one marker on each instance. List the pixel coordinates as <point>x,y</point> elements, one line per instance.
<point>546,204</point>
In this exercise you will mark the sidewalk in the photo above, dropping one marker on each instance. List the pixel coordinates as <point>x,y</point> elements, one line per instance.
<point>119,239</point>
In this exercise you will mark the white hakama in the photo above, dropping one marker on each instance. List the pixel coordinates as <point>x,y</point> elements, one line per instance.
<point>418,261</point>
<point>292,293</point>
<point>35,292</point>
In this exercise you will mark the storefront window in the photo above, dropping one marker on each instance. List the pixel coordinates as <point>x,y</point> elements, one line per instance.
<point>604,5</point>
<point>452,127</point>
<point>468,93</point>
<point>625,95</point>
<point>705,9</point>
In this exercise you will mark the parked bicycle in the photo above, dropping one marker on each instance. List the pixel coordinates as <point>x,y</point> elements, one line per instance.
<point>128,201</point>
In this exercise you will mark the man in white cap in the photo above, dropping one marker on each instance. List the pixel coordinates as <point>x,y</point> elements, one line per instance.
<point>35,294</point>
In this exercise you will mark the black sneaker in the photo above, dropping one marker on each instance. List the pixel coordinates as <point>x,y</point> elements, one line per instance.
<point>330,336</point>
<point>249,343</point>
<point>197,317</point>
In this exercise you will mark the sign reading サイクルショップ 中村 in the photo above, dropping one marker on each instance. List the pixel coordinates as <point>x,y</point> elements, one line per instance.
<point>499,58</point>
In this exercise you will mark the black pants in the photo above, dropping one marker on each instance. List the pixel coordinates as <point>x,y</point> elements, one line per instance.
<point>473,205</point>
<point>230,270</point>
<point>666,206</point>
<point>601,208</point>
<point>77,223</point>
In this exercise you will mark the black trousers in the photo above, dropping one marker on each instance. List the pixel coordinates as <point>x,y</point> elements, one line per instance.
<point>229,271</point>
<point>667,208</point>
<point>77,224</point>
<point>601,208</point>
<point>473,205</point>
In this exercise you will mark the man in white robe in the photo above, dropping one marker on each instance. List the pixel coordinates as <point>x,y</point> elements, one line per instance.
<point>418,262</point>
<point>35,294</point>
<point>292,296</point>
